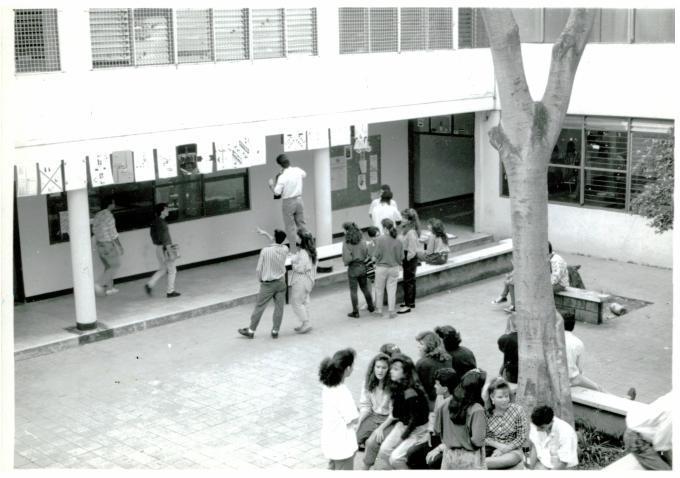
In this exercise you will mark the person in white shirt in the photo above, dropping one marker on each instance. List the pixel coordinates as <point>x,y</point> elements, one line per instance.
<point>339,414</point>
<point>575,350</point>
<point>288,186</point>
<point>108,245</point>
<point>649,434</point>
<point>384,207</point>
<point>553,441</point>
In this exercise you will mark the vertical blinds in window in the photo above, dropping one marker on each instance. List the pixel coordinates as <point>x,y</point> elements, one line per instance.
<point>268,33</point>
<point>301,31</point>
<point>36,40</point>
<point>231,34</point>
<point>110,37</point>
<point>194,36</point>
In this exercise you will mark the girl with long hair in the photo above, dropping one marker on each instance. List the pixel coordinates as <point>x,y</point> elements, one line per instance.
<point>433,357</point>
<point>302,280</point>
<point>507,428</point>
<point>338,411</point>
<point>354,255</point>
<point>384,207</point>
<point>437,248</point>
<point>410,230</point>
<point>388,255</point>
<point>462,358</point>
<point>460,423</point>
<point>410,412</point>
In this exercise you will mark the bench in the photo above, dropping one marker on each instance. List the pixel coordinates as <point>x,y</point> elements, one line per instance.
<point>603,411</point>
<point>586,305</point>
<point>627,463</point>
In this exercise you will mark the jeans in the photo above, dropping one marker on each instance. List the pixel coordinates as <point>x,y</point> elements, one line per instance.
<point>269,290</point>
<point>293,211</point>
<point>165,267</point>
<point>354,283</point>
<point>110,256</point>
<point>646,455</point>
<point>386,277</point>
<point>409,283</point>
<point>299,299</point>
<point>394,451</point>
<point>372,446</point>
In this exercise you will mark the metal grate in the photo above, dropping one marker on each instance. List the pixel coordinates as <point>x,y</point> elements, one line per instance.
<point>383,34</point>
<point>194,36</point>
<point>301,34</point>
<point>426,29</point>
<point>440,29</point>
<point>153,36</point>
<point>231,34</point>
<point>353,30</point>
<point>465,31</point>
<point>36,40</point>
<point>268,33</point>
<point>110,37</point>
<point>606,149</point>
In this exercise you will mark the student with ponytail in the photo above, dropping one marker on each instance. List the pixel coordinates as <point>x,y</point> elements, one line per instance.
<point>410,237</point>
<point>388,254</point>
<point>339,413</point>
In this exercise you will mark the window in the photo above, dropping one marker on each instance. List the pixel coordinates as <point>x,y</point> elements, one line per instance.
<point>383,31</point>
<point>353,30</point>
<point>655,26</point>
<point>110,37</point>
<point>426,29</point>
<point>471,29</point>
<point>226,192</point>
<point>614,26</point>
<point>450,125</point>
<point>231,34</point>
<point>530,23</point>
<point>194,36</point>
<point>153,36</point>
<point>268,33</point>
<point>555,19</point>
<point>603,162</point>
<point>36,40</point>
<point>301,31</point>
<point>368,30</point>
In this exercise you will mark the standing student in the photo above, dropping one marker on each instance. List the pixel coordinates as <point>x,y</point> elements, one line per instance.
<point>375,403</point>
<point>354,255</point>
<point>388,254</point>
<point>372,232</point>
<point>410,238</point>
<point>108,245</point>
<point>460,424</point>
<point>384,207</point>
<point>289,186</point>
<point>302,280</point>
<point>507,428</point>
<point>271,270</point>
<point>160,236</point>
<point>338,411</point>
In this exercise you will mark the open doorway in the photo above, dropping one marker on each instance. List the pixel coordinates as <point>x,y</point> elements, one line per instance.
<point>442,159</point>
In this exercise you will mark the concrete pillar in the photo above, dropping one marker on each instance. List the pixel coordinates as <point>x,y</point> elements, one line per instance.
<point>81,259</point>
<point>322,197</point>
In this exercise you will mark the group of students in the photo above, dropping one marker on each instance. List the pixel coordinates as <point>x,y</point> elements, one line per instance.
<point>436,413</point>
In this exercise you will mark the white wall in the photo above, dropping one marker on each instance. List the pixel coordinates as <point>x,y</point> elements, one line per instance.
<point>597,232</point>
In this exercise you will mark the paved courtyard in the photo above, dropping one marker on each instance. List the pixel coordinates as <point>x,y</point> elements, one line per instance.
<point>194,394</point>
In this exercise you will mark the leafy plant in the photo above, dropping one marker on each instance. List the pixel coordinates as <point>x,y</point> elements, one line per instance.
<point>596,449</point>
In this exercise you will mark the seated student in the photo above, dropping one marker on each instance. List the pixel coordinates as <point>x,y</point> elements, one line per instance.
<point>375,401</point>
<point>649,434</point>
<point>437,247</point>
<point>575,350</point>
<point>507,428</point>
<point>507,343</point>
<point>553,441</point>
<point>433,356</point>
<point>462,358</point>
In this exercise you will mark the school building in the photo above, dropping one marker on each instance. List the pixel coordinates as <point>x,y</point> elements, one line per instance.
<point>150,104</point>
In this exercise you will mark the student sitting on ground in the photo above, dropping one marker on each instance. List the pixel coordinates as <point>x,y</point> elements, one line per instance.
<point>375,401</point>
<point>649,434</point>
<point>433,356</point>
<point>507,428</point>
<point>575,351</point>
<point>437,247</point>
<point>462,358</point>
<point>553,441</point>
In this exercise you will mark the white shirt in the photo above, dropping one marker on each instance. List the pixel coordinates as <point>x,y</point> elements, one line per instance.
<point>289,184</point>
<point>574,348</point>
<point>654,422</point>
<point>338,438</point>
<point>561,439</point>
<point>380,210</point>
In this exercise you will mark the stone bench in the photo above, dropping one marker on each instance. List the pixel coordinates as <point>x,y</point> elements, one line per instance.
<point>604,411</point>
<point>586,305</point>
<point>627,463</point>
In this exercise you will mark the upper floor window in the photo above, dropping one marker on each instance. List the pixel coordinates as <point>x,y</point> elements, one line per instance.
<point>368,30</point>
<point>36,40</point>
<point>426,29</point>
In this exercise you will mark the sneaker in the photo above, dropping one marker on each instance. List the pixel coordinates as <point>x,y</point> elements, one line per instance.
<point>510,309</point>
<point>354,315</point>
<point>245,331</point>
<point>404,310</point>
<point>304,329</point>
<point>499,300</point>
<point>112,291</point>
<point>147,289</point>
<point>275,334</point>
<point>172,294</point>
<point>393,315</point>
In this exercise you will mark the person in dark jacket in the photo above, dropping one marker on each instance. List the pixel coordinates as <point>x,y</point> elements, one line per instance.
<point>462,358</point>
<point>160,236</point>
<point>507,343</point>
<point>354,255</point>
<point>433,356</point>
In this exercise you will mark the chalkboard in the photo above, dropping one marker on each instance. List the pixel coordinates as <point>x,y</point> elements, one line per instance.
<point>355,175</point>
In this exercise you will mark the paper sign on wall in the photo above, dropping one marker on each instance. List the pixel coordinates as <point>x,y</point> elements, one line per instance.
<point>100,169</point>
<point>27,178</point>
<point>338,173</point>
<point>242,152</point>
<point>296,141</point>
<point>361,137</point>
<point>167,162</point>
<point>50,176</point>
<point>205,163</point>
<point>122,167</point>
<point>144,165</point>
<point>317,138</point>
<point>340,135</point>
<point>75,172</point>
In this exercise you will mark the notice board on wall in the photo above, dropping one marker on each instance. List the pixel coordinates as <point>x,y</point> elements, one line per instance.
<point>355,175</point>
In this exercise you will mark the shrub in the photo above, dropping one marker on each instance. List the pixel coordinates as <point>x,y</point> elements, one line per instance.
<point>596,449</point>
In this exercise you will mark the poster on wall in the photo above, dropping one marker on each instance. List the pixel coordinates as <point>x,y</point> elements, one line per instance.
<point>361,182</point>
<point>50,176</point>
<point>361,137</point>
<point>167,162</point>
<point>75,173</point>
<point>373,168</point>
<point>241,152</point>
<point>222,156</point>
<point>296,141</point>
<point>317,138</point>
<point>205,158</point>
<point>27,178</point>
<point>144,165</point>
<point>338,173</point>
<point>340,135</point>
<point>122,167</point>
<point>100,169</point>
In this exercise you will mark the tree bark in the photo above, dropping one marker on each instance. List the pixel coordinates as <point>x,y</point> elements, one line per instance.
<point>524,140</point>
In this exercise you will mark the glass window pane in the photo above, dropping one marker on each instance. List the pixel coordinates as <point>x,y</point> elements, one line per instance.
<point>153,36</point>
<point>605,189</point>
<point>133,204</point>
<point>606,149</point>
<point>110,37</point>
<point>413,29</point>
<point>231,34</point>
<point>194,36</point>
<point>555,19</point>
<point>57,217</point>
<point>614,25</point>
<point>268,33</point>
<point>301,31</point>
<point>568,148</point>
<point>563,184</point>
<point>184,198</point>
<point>36,40</point>
<point>383,29</point>
<point>655,26</point>
<point>529,23</point>
<point>226,195</point>
<point>647,149</point>
<point>440,29</point>
<point>353,30</point>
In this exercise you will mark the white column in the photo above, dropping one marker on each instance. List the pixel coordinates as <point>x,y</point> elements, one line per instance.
<point>81,259</point>
<point>322,197</point>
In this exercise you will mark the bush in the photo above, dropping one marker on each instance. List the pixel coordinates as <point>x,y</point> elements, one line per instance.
<point>596,449</point>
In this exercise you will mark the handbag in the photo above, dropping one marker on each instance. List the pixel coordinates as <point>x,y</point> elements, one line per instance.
<point>171,252</point>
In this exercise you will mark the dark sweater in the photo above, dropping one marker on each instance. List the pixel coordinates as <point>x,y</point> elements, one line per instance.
<point>508,345</point>
<point>160,235</point>
<point>426,368</point>
<point>411,408</point>
<point>462,360</point>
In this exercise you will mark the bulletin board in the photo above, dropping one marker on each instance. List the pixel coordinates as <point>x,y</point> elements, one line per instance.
<point>355,175</point>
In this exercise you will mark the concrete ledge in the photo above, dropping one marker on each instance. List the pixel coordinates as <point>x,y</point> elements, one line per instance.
<point>627,463</point>
<point>603,411</point>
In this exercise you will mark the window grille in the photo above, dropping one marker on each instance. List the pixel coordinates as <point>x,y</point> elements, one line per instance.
<point>36,40</point>
<point>194,36</point>
<point>383,33</point>
<point>153,36</point>
<point>268,33</point>
<point>110,37</point>
<point>606,162</point>
<point>353,30</point>
<point>426,29</point>
<point>440,29</point>
<point>301,34</point>
<point>471,29</point>
<point>231,34</point>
